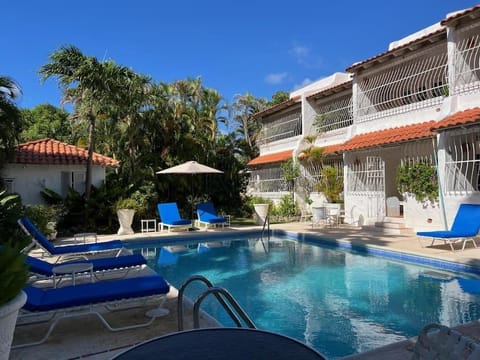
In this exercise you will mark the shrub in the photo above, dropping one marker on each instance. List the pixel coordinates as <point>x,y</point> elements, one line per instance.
<point>13,272</point>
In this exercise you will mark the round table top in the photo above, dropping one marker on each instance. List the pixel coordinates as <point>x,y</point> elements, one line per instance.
<point>222,343</point>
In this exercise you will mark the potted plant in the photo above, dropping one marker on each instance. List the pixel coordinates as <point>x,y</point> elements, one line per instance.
<point>13,277</point>
<point>125,209</point>
<point>261,208</point>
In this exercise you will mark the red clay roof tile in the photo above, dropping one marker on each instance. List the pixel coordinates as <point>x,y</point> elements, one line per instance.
<point>469,116</point>
<point>54,152</point>
<point>271,158</point>
<point>459,15</point>
<point>386,137</point>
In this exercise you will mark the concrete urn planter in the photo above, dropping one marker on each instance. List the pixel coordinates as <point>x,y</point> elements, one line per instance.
<point>261,212</point>
<point>125,218</point>
<point>8,319</point>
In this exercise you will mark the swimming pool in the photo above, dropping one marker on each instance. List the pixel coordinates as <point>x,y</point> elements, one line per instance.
<point>339,301</point>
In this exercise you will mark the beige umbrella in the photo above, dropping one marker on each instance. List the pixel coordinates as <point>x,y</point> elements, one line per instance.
<point>192,168</point>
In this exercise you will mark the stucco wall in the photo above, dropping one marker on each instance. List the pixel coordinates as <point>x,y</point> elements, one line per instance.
<point>29,180</point>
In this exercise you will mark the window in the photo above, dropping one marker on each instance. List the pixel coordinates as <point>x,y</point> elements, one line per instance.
<point>9,185</point>
<point>462,166</point>
<point>73,180</point>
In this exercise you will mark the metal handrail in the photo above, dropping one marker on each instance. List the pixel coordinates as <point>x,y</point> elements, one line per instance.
<point>266,223</point>
<point>210,285</point>
<point>217,291</point>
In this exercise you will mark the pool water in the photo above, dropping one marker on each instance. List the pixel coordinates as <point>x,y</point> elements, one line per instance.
<point>337,301</point>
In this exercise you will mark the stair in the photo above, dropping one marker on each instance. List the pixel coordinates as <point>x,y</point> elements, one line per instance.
<point>391,226</point>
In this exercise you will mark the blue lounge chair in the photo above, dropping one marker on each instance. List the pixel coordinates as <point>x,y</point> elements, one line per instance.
<point>464,228</point>
<point>170,217</point>
<point>208,215</point>
<point>41,269</point>
<point>68,250</point>
<point>80,300</point>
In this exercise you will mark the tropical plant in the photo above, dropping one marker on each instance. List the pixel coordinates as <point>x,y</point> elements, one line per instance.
<point>11,209</point>
<point>13,272</point>
<point>287,207</point>
<point>10,118</point>
<point>46,121</point>
<point>419,179</point>
<point>331,183</point>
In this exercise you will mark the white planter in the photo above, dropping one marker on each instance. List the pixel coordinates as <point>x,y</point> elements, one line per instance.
<point>8,319</point>
<point>261,212</point>
<point>125,218</point>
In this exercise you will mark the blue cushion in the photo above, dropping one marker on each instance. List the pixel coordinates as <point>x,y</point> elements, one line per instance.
<point>45,268</point>
<point>68,249</point>
<point>169,214</point>
<point>93,293</point>
<point>206,213</point>
<point>465,224</point>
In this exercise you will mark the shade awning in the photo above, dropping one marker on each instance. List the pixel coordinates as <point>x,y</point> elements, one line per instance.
<point>271,158</point>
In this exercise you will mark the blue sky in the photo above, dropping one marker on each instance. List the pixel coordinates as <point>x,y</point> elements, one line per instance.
<point>234,46</point>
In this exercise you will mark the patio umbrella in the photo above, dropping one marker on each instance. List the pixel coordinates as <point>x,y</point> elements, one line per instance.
<point>192,168</point>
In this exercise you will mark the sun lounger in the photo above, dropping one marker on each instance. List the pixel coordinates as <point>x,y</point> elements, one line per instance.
<point>208,215</point>
<point>40,240</point>
<point>170,217</point>
<point>464,228</point>
<point>80,300</point>
<point>41,269</point>
<point>440,342</point>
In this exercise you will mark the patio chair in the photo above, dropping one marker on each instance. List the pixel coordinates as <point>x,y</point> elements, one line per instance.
<point>208,215</point>
<point>170,217</point>
<point>90,299</point>
<point>440,342</point>
<point>464,228</point>
<point>41,269</point>
<point>319,215</point>
<point>114,246</point>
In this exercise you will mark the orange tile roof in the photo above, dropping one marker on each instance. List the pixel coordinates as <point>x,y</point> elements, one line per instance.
<point>469,116</point>
<point>271,158</point>
<point>54,152</point>
<point>277,107</point>
<point>386,137</point>
<point>459,15</point>
<point>427,39</point>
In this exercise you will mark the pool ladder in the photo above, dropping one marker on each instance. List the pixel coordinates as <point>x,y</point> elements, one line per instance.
<point>224,298</point>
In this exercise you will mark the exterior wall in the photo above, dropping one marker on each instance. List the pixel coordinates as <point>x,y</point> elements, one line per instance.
<point>29,180</point>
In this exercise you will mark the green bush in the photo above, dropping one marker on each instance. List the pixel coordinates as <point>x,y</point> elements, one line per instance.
<point>41,215</point>
<point>287,207</point>
<point>13,272</point>
<point>11,209</point>
<point>420,179</point>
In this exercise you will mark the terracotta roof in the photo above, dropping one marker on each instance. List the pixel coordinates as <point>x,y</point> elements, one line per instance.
<point>54,152</point>
<point>271,158</point>
<point>465,117</point>
<point>276,108</point>
<point>333,90</point>
<point>386,137</point>
<point>400,50</point>
<point>459,15</point>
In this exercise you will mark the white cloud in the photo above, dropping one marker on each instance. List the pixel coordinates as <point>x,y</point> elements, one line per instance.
<point>304,83</point>
<point>300,52</point>
<point>275,78</point>
<point>303,55</point>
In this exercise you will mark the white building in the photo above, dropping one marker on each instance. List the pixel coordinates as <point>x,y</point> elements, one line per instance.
<point>51,164</point>
<point>416,103</point>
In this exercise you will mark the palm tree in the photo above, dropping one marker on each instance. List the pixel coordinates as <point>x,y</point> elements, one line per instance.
<point>96,89</point>
<point>10,118</point>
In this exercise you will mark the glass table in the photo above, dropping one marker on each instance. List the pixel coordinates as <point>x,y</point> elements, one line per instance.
<point>222,343</point>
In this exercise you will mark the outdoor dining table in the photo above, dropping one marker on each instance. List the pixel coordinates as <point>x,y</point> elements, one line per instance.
<point>222,343</point>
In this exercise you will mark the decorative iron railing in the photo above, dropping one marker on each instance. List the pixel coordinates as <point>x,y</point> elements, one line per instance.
<point>336,114</point>
<point>404,85</point>
<point>283,126</point>
<point>467,59</point>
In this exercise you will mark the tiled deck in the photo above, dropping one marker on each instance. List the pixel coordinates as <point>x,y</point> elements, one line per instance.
<point>87,338</point>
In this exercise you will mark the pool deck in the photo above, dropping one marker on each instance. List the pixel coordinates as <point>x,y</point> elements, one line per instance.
<point>87,338</point>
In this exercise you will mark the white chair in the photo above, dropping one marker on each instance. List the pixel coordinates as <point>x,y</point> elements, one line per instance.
<point>319,215</point>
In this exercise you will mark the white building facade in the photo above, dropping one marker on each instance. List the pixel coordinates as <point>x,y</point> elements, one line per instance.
<point>416,103</point>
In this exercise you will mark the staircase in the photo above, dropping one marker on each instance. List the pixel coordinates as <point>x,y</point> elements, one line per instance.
<point>391,225</point>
